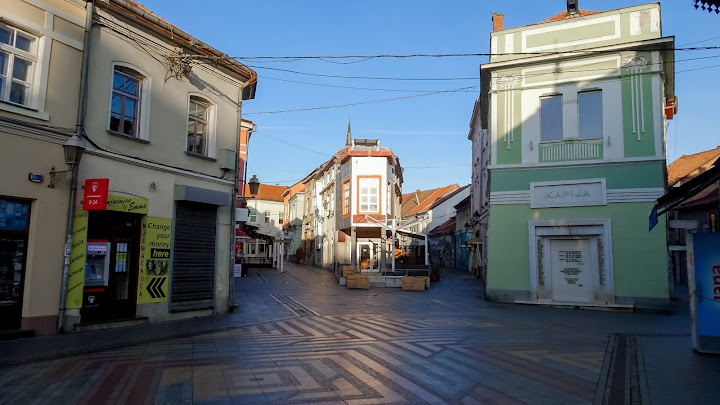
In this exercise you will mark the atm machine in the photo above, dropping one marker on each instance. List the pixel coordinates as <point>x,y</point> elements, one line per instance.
<point>97,273</point>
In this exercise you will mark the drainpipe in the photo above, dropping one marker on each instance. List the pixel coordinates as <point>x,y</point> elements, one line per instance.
<point>236,186</point>
<point>79,129</point>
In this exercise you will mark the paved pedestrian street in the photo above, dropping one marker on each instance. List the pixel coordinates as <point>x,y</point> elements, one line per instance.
<point>312,341</point>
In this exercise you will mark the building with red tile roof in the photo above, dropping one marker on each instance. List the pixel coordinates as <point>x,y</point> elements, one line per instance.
<point>687,167</point>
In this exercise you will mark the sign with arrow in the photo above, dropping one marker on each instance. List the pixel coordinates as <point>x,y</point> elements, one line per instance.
<point>154,288</point>
<point>155,243</point>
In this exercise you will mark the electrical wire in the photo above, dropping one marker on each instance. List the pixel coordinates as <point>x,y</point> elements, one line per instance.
<point>362,102</point>
<point>454,55</point>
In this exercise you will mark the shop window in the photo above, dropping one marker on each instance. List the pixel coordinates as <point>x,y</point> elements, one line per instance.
<point>18,59</point>
<point>590,115</point>
<point>551,118</point>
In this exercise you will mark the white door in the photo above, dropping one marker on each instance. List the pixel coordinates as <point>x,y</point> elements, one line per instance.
<point>573,267</point>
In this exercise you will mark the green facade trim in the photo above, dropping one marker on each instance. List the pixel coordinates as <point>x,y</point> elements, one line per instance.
<point>638,111</point>
<point>573,72</point>
<point>599,29</point>
<point>618,175</point>
<point>509,127</point>
<point>639,256</point>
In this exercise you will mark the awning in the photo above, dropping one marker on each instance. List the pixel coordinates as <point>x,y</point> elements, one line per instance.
<point>241,236</point>
<point>678,195</point>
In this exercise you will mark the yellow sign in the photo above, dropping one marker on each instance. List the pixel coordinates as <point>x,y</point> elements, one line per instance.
<point>122,203</point>
<point>76,267</point>
<point>155,243</point>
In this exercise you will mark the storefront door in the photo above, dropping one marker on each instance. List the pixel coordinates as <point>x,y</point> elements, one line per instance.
<point>365,255</point>
<point>116,298</point>
<point>14,225</point>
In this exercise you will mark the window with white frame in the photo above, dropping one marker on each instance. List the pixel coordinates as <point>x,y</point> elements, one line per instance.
<point>253,216</point>
<point>346,198</point>
<point>267,217</point>
<point>125,103</point>
<point>18,60</point>
<point>369,195</point>
<point>551,118</point>
<point>590,118</point>
<point>198,126</point>
<point>281,216</point>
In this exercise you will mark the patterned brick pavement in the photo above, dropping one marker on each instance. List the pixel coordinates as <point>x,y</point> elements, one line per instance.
<point>339,346</point>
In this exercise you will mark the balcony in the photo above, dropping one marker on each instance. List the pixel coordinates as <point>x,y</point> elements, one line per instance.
<point>571,150</point>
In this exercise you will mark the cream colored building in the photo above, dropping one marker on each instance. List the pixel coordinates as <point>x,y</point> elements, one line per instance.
<point>41,52</point>
<point>163,125</point>
<point>151,230</point>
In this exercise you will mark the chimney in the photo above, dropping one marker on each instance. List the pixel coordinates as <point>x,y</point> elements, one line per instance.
<point>497,20</point>
<point>572,7</point>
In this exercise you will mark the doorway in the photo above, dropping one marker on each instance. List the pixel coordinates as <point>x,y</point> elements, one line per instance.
<point>14,228</point>
<point>366,256</point>
<point>112,265</point>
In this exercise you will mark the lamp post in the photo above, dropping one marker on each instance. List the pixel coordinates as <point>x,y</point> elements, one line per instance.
<point>73,150</point>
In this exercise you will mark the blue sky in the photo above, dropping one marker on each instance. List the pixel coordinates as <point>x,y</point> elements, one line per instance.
<point>428,133</point>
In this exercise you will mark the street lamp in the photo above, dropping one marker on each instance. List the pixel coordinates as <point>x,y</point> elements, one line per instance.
<point>254,185</point>
<point>73,150</point>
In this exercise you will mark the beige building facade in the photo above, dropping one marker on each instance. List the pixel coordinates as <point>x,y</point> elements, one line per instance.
<point>151,221</point>
<point>41,52</point>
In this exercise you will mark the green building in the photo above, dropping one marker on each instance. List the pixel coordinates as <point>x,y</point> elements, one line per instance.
<point>574,108</point>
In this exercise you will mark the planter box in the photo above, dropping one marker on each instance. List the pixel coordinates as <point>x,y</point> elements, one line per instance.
<point>410,283</point>
<point>358,281</point>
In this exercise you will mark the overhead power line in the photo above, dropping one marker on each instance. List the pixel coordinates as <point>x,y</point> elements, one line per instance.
<point>364,102</point>
<point>450,55</point>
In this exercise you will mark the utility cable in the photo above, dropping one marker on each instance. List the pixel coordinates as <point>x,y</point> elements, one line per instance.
<point>363,102</point>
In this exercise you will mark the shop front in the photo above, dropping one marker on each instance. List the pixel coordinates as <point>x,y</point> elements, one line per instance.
<point>14,230</point>
<point>119,256</point>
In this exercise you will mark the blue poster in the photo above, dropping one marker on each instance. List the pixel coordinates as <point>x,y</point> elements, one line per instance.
<point>707,282</point>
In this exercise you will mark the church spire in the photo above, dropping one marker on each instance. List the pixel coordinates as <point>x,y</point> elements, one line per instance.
<point>348,140</point>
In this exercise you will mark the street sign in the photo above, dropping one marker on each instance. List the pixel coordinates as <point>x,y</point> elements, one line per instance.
<point>96,194</point>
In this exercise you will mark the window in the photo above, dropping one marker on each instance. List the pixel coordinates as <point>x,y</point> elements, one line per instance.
<point>18,58</point>
<point>590,115</point>
<point>267,217</point>
<point>346,198</point>
<point>551,119</point>
<point>281,216</point>
<point>261,248</point>
<point>369,195</point>
<point>125,104</point>
<point>198,122</point>
<point>253,216</point>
